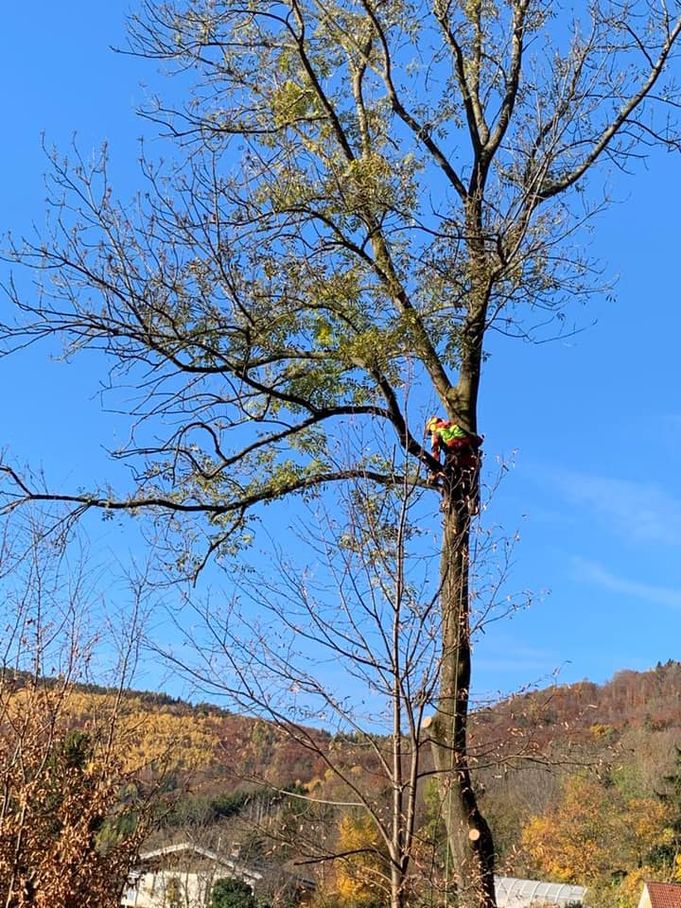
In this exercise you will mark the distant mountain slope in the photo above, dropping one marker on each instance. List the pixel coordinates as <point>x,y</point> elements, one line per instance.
<point>573,713</point>
<point>555,719</point>
<point>201,744</point>
<point>635,719</point>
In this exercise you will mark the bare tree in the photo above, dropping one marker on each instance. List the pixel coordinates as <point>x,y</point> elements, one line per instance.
<point>363,608</point>
<point>362,191</point>
<point>342,626</point>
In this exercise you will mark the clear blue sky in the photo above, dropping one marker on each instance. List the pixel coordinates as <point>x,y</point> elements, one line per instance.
<point>595,419</point>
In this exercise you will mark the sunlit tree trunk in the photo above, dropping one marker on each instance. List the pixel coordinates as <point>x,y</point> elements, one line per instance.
<point>469,837</point>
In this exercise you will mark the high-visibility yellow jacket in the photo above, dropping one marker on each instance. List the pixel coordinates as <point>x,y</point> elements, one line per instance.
<point>451,436</point>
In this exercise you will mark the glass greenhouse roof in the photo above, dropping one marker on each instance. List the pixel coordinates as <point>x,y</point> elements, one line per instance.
<point>515,893</point>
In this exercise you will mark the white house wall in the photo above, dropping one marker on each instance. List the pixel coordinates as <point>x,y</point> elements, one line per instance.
<point>169,889</point>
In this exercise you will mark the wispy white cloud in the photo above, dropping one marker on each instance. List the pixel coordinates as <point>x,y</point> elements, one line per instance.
<point>515,670</point>
<point>595,573</point>
<point>642,511</point>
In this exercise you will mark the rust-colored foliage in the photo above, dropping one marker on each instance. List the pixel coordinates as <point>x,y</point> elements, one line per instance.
<point>71,818</point>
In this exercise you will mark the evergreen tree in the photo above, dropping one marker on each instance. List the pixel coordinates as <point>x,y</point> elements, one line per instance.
<point>230,893</point>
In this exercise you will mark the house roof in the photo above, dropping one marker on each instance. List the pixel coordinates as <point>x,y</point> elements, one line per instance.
<point>664,895</point>
<point>252,872</point>
<point>235,867</point>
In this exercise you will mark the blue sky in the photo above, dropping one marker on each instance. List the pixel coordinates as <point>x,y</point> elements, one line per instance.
<point>592,422</point>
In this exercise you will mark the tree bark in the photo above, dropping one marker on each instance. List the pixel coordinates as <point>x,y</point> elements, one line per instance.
<point>469,837</point>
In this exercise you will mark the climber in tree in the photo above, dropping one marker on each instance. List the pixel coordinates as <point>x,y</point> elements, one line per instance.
<point>461,452</point>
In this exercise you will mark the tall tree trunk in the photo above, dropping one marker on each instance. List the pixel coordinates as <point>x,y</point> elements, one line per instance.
<point>469,836</point>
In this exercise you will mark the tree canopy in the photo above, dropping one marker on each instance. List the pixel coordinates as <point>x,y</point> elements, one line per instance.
<point>363,190</point>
